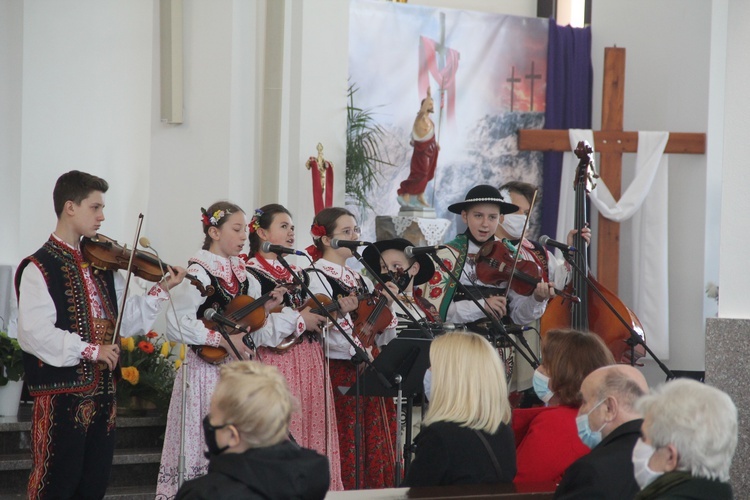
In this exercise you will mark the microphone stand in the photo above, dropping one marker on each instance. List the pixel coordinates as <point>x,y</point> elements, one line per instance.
<point>359,357</point>
<point>222,330</point>
<point>397,379</point>
<point>426,331</point>
<point>634,339</point>
<point>533,361</point>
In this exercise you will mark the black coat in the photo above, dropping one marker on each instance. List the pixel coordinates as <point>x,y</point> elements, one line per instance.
<point>283,471</point>
<point>447,453</point>
<point>680,485</point>
<point>606,472</point>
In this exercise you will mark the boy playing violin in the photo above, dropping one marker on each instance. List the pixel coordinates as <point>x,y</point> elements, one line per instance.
<point>66,316</point>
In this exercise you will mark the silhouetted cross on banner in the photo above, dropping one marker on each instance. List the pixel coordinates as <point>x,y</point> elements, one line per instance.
<point>611,142</point>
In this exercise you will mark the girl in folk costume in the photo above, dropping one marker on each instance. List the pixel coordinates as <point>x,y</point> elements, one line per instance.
<point>217,265</point>
<point>293,342</point>
<point>377,448</point>
<point>555,272</point>
<point>388,258</point>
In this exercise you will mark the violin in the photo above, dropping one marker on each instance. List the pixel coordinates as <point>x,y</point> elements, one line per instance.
<point>495,261</point>
<point>105,254</point>
<point>243,310</point>
<point>371,317</point>
<point>592,313</point>
<point>329,305</point>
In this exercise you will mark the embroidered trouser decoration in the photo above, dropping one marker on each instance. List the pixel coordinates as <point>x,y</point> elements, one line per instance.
<point>72,444</point>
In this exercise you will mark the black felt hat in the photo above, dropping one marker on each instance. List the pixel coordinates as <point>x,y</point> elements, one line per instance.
<point>484,193</point>
<point>371,254</point>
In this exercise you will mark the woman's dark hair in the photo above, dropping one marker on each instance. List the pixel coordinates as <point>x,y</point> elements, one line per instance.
<point>327,218</point>
<point>523,188</point>
<point>569,356</point>
<point>228,208</point>
<point>268,212</point>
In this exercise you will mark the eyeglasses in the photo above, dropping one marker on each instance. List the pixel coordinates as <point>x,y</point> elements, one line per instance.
<point>349,232</point>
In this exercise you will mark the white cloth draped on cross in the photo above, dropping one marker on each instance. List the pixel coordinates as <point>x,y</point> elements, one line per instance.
<point>646,201</point>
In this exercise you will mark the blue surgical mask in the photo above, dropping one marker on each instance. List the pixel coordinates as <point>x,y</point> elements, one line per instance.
<point>590,438</point>
<point>642,453</point>
<point>541,386</point>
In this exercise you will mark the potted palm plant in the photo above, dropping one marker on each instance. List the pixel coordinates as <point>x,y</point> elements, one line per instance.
<point>363,153</point>
<point>11,375</point>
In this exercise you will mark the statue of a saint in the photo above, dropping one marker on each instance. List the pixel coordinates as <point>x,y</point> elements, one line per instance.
<point>424,158</point>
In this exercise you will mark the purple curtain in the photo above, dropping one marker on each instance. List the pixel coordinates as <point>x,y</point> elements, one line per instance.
<point>569,94</point>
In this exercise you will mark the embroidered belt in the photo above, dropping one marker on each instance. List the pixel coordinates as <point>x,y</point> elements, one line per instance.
<point>102,332</point>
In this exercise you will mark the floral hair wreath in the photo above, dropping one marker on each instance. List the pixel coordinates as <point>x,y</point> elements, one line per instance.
<point>213,219</point>
<point>317,231</point>
<point>254,224</point>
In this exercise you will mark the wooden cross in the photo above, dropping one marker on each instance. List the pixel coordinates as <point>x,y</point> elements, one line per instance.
<point>533,76</point>
<point>513,80</point>
<point>611,142</point>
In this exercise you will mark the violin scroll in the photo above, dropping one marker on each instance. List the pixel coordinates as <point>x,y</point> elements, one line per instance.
<point>106,254</point>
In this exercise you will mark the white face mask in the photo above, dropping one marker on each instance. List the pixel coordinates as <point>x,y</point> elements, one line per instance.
<point>642,453</point>
<point>513,225</point>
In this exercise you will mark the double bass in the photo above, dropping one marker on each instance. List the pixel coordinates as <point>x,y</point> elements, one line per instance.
<point>592,313</point>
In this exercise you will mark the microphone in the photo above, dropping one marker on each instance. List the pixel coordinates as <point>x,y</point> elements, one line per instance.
<point>145,242</point>
<point>212,315</point>
<point>546,240</point>
<point>337,243</point>
<point>412,252</point>
<point>267,247</point>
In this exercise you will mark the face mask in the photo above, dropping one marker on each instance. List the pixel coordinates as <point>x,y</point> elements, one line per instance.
<point>541,386</point>
<point>642,453</point>
<point>401,280</point>
<point>209,431</point>
<point>513,225</point>
<point>588,437</point>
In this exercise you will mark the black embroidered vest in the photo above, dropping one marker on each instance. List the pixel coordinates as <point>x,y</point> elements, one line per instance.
<point>221,298</point>
<point>292,298</point>
<point>63,273</point>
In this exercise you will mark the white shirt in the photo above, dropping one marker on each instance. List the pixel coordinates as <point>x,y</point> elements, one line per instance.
<point>337,346</point>
<point>282,324</point>
<point>522,309</point>
<point>37,316</point>
<point>183,324</point>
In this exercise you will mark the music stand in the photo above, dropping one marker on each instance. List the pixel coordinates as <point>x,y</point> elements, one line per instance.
<point>404,362</point>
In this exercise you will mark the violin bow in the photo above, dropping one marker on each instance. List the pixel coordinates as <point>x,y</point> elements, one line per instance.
<point>121,308</point>
<point>520,243</point>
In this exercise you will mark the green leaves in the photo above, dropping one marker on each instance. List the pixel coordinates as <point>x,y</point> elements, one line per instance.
<point>11,359</point>
<point>363,154</point>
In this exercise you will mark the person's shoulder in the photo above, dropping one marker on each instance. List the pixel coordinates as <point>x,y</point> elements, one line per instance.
<point>214,486</point>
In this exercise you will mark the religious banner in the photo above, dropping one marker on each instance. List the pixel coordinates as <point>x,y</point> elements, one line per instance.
<point>486,74</point>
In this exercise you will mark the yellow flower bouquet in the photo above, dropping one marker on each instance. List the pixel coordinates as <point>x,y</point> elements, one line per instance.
<point>148,369</point>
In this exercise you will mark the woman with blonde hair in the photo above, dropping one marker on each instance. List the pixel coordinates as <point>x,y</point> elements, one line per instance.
<point>246,432</point>
<point>466,438</point>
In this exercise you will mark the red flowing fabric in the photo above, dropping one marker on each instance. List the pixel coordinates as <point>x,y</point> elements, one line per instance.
<point>445,77</point>
<point>318,202</point>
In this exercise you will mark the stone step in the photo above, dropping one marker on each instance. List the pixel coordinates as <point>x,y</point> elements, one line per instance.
<point>135,465</point>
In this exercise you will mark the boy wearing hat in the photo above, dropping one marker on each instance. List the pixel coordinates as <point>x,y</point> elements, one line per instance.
<point>387,257</point>
<point>481,211</point>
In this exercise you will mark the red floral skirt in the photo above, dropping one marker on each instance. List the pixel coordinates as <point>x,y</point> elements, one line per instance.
<point>378,427</point>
